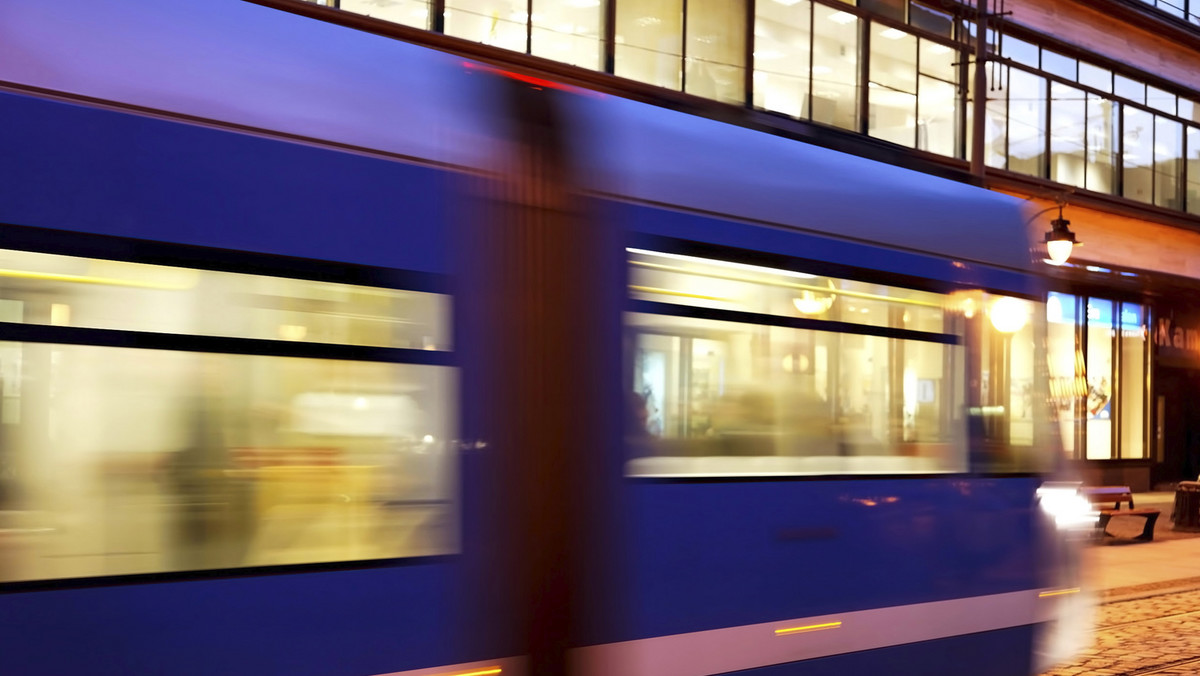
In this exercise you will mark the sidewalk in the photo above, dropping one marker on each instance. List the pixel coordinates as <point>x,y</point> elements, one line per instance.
<point>1121,569</point>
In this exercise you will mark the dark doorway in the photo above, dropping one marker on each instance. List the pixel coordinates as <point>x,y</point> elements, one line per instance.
<point>1178,393</point>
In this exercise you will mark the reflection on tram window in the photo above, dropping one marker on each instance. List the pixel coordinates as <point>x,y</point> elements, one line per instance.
<point>124,461</point>
<point>119,460</point>
<point>71,291</point>
<point>743,369</point>
<point>727,397</point>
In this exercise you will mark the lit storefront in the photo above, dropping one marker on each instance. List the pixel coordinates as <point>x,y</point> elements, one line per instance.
<point>1098,360</point>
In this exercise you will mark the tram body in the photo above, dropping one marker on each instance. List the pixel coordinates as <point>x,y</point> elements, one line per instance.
<point>240,412</point>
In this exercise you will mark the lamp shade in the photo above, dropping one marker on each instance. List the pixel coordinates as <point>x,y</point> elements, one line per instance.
<point>1060,241</point>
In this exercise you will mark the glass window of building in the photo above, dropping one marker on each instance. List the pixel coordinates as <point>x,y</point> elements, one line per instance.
<point>1137,154</point>
<point>1168,164</point>
<point>782,44</point>
<point>1161,100</point>
<point>254,433</point>
<point>931,17</point>
<point>1026,122</point>
<point>996,129</point>
<point>1101,417</point>
<point>1068,135</point>
<point>1064,361</point>
<point>892,9</point>
<point>1130,89</point>
<point>716,50</point>
<point>408,12</point>
<point>1062,66</point>
<point>1095,77</point>
<point>1099,369</point>
<point>938,98</point>
<point>1192,193</point>
<point>1018,50</point>
<point>892,92</point>
<point>649,42</point>
<point>568,31</point>
<point>1189,110</point>
<point>1101,143</point>
<point>1131,390</point>
<point>835,79</point>
<point>499,23</point>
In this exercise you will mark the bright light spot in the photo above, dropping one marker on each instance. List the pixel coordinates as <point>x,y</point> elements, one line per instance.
<point>1009,314</point>
<point>892,34</point>
<point>842,17</point>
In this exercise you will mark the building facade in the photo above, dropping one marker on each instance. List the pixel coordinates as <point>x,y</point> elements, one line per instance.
<point>1089,110</point>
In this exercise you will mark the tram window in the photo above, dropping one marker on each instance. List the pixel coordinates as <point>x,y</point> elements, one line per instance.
<point>122,460</point>
<point>141,461</point>
<point>104,294</point>
<point>760,393</point>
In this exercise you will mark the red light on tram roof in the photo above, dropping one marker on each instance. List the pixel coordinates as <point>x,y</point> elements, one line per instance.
<point>521,77</point>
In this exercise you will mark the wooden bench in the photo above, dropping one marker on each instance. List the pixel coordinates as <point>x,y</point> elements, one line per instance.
<point>1116,495</point>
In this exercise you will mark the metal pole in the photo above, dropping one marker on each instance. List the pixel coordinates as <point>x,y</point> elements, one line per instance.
<point>979,102</point>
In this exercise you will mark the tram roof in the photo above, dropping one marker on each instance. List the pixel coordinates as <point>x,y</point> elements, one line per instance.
<point>232,62</point>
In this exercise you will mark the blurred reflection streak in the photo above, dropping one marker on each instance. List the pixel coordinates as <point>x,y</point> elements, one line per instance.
<point>811,627</point>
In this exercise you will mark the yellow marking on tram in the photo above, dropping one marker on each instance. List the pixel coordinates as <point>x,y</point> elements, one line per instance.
<point>1059,592</point>
<point>811,627</point>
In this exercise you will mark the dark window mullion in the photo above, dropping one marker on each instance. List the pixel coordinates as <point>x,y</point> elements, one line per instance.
<point>683,35</point>
<point>610,35</point>
<point>864,76</point>
<point>437,12</point>
<point>748,57</point>
<point>529,27</point>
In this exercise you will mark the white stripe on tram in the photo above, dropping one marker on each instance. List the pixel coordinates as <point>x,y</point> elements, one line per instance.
<point>717,651</point>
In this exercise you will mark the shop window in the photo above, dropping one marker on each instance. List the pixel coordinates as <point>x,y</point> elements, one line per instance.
<point>649,42</point>
<point>568,31</point>
<point>782,41</point>
<point>408,12</point>
<point>1065,365</point>
<point>835,85</point>
<point>1099,368</point>
<point>1132,391</point>
<point>716,50</point>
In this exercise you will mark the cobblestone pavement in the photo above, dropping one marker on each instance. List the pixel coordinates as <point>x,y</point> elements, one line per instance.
<point>1157,635</point>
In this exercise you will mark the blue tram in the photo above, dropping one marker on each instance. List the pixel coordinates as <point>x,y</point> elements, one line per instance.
<point>325,353</point>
